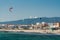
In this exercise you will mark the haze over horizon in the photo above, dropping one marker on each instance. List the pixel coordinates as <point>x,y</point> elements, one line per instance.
<point>28,8</point>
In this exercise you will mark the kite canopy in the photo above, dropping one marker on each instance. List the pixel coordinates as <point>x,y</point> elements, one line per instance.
<point>10,9</point>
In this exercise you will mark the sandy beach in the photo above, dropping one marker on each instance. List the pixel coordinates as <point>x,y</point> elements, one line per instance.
<point>34,31</point>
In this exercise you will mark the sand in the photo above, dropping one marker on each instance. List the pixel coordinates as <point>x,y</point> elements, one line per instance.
<point>36,31</point>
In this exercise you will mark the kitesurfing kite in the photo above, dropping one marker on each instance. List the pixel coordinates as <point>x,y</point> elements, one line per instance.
<point>10,9</point>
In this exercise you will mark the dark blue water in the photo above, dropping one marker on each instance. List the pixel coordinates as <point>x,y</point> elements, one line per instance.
<point>14,36</point>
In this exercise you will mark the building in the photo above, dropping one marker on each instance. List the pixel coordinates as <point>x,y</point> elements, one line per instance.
<point>57,24</point>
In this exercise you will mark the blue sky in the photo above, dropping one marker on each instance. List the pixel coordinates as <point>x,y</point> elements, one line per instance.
<point>25,8</point>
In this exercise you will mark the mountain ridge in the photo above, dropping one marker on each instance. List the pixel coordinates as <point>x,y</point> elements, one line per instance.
<point>34,20</point>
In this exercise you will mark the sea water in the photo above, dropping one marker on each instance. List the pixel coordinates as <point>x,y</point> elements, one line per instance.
<point>17,36</point>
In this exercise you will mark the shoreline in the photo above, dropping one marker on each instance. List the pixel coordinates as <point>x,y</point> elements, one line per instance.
<point>32,32</point>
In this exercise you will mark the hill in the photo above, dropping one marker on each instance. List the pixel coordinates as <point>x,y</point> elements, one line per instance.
<point>34,20</point>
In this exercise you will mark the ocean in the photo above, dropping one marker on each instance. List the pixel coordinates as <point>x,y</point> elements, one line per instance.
<point>17,36</point>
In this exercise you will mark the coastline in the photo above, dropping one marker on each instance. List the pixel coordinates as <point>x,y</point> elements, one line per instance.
<point>32,32</point>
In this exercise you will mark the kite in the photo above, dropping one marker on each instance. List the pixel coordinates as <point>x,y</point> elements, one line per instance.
<point>10,9</point>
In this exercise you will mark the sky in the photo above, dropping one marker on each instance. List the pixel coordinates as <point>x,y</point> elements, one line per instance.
<point>23,9</point>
